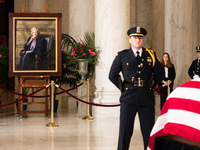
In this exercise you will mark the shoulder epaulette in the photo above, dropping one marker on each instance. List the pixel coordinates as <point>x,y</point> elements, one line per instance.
<point>151,52</point>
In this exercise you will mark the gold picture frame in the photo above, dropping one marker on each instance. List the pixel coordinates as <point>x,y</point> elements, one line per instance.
<point>47,62</point>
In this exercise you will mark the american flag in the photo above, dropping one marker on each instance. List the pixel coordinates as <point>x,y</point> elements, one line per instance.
<point>180,114</point>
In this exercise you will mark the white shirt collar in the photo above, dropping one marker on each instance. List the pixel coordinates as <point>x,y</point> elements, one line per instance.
<point>134,51</point>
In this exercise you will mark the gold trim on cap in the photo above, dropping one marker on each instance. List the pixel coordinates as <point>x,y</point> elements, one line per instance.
<point>135,34</point>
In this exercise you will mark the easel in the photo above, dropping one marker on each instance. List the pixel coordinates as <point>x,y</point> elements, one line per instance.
<point>46,8</point>
<point>34,82</point>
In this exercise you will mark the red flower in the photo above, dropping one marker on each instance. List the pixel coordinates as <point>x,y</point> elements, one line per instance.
<point>92,53</point>
<point>73,54</point>
<point>76,48</point>
<point>82,44</point>
<point>84,54</point>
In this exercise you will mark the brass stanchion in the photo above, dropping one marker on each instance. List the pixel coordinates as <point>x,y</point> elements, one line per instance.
<point>52,124</point>
<point>168,87</point>
<point>88,98</point>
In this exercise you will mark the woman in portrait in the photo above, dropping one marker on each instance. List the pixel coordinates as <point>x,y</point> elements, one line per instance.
<point>170,75</point>
<point>33,46</point>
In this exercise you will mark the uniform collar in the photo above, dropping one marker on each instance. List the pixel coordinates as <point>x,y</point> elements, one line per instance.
<point>134,51</point>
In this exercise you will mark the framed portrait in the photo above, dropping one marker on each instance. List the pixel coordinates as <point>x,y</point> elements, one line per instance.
<point>34,44</point>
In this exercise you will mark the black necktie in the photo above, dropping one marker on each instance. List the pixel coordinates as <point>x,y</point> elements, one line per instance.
<point>138,57</point>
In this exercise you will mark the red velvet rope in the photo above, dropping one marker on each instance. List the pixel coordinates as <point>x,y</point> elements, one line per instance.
<point>67,92</point>
<point>94,104</point>
<point>160,92</point>
<point>23,97</point>
<point>39,96</point>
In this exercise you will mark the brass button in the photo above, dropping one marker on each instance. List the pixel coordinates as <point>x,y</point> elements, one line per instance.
<point>139,72</point>
<point>126,88</point>
<point>127,64</point>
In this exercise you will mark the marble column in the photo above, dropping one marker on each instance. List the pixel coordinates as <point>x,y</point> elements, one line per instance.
<point>36,5</point>
<point>196,26</point>
<point>179,36</point>
<point>112,20</point>
<point>158,27</point>
<point>81,18</point>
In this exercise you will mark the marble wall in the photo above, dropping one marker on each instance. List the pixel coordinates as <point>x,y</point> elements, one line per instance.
<point>179,36</point>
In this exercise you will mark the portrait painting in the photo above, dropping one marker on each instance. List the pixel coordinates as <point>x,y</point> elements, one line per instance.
<point>34,44</point>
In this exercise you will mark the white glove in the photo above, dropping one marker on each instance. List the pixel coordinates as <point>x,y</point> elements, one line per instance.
<point>196,77</point>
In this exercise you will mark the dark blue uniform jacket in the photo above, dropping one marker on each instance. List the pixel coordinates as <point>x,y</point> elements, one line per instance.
<point>194,69</point>
<point>126,63</point>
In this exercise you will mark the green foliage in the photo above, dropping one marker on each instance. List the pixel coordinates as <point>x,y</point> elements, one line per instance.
<point>89,38</point>
<point>70,75</point>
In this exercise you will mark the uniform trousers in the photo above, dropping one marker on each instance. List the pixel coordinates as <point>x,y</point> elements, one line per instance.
<point>146,115</point>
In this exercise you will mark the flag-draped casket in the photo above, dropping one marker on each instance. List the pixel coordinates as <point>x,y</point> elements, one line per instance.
<point>180,114</point>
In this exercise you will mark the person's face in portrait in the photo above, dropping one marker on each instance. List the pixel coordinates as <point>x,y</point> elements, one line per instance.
<point>136,42</point>
<point>198,55</point>
<point>34,33</point>
<point>165,58</point>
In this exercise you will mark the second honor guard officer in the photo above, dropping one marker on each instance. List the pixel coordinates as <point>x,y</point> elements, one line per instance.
<point>194,70</point>
<point>137,65</point>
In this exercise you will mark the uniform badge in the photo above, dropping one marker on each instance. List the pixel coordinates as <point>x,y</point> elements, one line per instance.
<point>149,59</point>
<point>138,30</point>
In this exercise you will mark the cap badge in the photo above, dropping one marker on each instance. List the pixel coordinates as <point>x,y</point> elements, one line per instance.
<point>138,30</point>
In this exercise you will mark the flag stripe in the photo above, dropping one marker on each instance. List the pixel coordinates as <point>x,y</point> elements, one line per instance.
<point>160,123</point>
<point>193,119</point>
<point>180,114</point>
<point>182,104</point>
<point>191,84</point>
<point>177,129</point>
<point>185,93</point>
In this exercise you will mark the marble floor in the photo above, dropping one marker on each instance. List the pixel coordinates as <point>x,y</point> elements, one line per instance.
<point>73,133</point>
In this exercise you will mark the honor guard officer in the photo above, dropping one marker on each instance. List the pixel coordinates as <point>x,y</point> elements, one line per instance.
<point>138,65</point>
<point>194,70</point>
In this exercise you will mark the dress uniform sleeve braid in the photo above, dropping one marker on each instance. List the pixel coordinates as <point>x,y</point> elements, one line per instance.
<point>152,56</point>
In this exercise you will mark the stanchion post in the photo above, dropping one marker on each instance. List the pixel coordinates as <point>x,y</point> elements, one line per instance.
<point>168,87</point>
<point>88,98</point>
<point>52,124</point>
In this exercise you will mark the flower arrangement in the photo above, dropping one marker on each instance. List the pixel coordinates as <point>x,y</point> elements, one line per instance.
<point>71,52</point>
<point>84,51</point>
